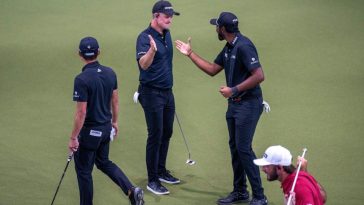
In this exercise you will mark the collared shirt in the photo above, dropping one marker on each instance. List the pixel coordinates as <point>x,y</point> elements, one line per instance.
<point>159,74</point>
<point>307,192</point>
<point>246,60</point>
<point>95,85</point>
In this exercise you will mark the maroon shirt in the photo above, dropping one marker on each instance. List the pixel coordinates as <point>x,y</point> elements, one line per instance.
<point>307,190</point>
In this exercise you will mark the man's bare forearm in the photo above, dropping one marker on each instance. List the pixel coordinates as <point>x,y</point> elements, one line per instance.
<point>147,60</point>
<point>207,67</point>
<point>79,119</point>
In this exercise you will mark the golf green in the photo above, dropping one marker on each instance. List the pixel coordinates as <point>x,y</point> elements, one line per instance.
<point>312,56</point>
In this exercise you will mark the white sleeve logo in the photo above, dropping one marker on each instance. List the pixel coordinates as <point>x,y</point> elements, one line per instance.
<point>76,95</point>
<point>254,60</point>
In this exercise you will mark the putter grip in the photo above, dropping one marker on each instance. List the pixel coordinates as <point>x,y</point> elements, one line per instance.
<point>70,155</point>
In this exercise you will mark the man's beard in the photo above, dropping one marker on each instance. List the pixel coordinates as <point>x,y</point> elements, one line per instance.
<point>273,176</point>
<point>220,35</point>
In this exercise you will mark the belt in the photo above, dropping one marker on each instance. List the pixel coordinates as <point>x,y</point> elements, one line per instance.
<point>241,98</point>
<point>155,88</point>
<point>237,99</point>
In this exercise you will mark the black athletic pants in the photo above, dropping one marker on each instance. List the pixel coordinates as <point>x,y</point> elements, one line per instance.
<point>242,118</point>
<point>159,108</point>
<point>94,149</point>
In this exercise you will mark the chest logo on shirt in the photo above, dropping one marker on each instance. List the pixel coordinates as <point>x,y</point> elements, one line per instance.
<point>99,70</point>
<point>76,95</point>
<point>95,133</point>
<point>232,56</point>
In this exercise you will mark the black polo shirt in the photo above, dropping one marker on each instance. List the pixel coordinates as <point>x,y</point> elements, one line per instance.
<point>246,60</point>
<point>159,74</point>
<point>95,85</point>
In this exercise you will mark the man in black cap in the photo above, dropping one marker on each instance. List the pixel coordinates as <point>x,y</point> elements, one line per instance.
<point>96,94</point>
<point>154,53</point>
<point>239,59</point>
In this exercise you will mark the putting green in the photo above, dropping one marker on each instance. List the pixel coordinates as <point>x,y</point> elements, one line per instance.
<point>311,52</point>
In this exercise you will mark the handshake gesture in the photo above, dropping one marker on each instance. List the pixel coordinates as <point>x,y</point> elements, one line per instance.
<point>184,48</point>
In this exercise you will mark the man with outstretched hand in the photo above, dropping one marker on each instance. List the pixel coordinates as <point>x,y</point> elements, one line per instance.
<point>96,94</point>
<point>154,54</point>
<point>243,72</point>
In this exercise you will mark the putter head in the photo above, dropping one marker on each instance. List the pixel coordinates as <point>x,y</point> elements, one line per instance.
<point>190,162</point>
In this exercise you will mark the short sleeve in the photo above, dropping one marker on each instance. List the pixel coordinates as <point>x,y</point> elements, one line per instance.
<point>80,93</point>
<point>219,60</point>
<point>142,45</point>
<point>250,57</point>
<point>116,83</point>
<point>114,80</point>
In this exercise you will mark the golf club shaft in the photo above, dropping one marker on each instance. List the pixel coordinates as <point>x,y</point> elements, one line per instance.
<point>183,135</point>
<point>64,172</point>
<point>295,178</point>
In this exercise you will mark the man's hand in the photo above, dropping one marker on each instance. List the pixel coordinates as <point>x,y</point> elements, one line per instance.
<point>136,97</point>
<point>112,134</point>
<point>266,106</point>
<point>115,126</point>
<point>147,59</point>
<point>303,164</point>
<point>73,144</point>
<point>293,199</point>
<point>184,48</point>
<point>153,46</point>
<point>226,91</point>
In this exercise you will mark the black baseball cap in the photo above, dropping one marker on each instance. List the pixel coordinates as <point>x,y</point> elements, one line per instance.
<point>89,46</point>
<point>228,20</point>
<point>164,7</point>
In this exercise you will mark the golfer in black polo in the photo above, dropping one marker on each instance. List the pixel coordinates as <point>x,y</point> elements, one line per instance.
<point>239,59</point>
<point>154,53</point>
<point>96,94</point>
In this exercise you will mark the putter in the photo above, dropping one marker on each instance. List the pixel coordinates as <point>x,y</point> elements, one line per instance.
<point>69,158</point>
<point>295,178</point>
<point>189,160</point>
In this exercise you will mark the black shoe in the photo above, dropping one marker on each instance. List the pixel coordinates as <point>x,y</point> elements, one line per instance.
<point>256,201</point>
<point>157,188</point>
<point>136,196</point>
<point>234,197</point>
<point>168,178</point>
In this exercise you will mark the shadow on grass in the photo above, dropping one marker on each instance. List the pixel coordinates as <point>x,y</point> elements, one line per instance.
<point>190,177</point>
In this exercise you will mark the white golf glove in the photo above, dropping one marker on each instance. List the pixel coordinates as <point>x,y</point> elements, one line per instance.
<point>112,134</point>
<point>135,97</point>
<point>266,106</point>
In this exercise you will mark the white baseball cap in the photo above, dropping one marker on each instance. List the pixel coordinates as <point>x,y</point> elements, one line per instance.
<point>275,155</point>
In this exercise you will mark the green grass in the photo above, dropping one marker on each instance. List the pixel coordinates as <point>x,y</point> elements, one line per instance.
<point>312,56</point>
